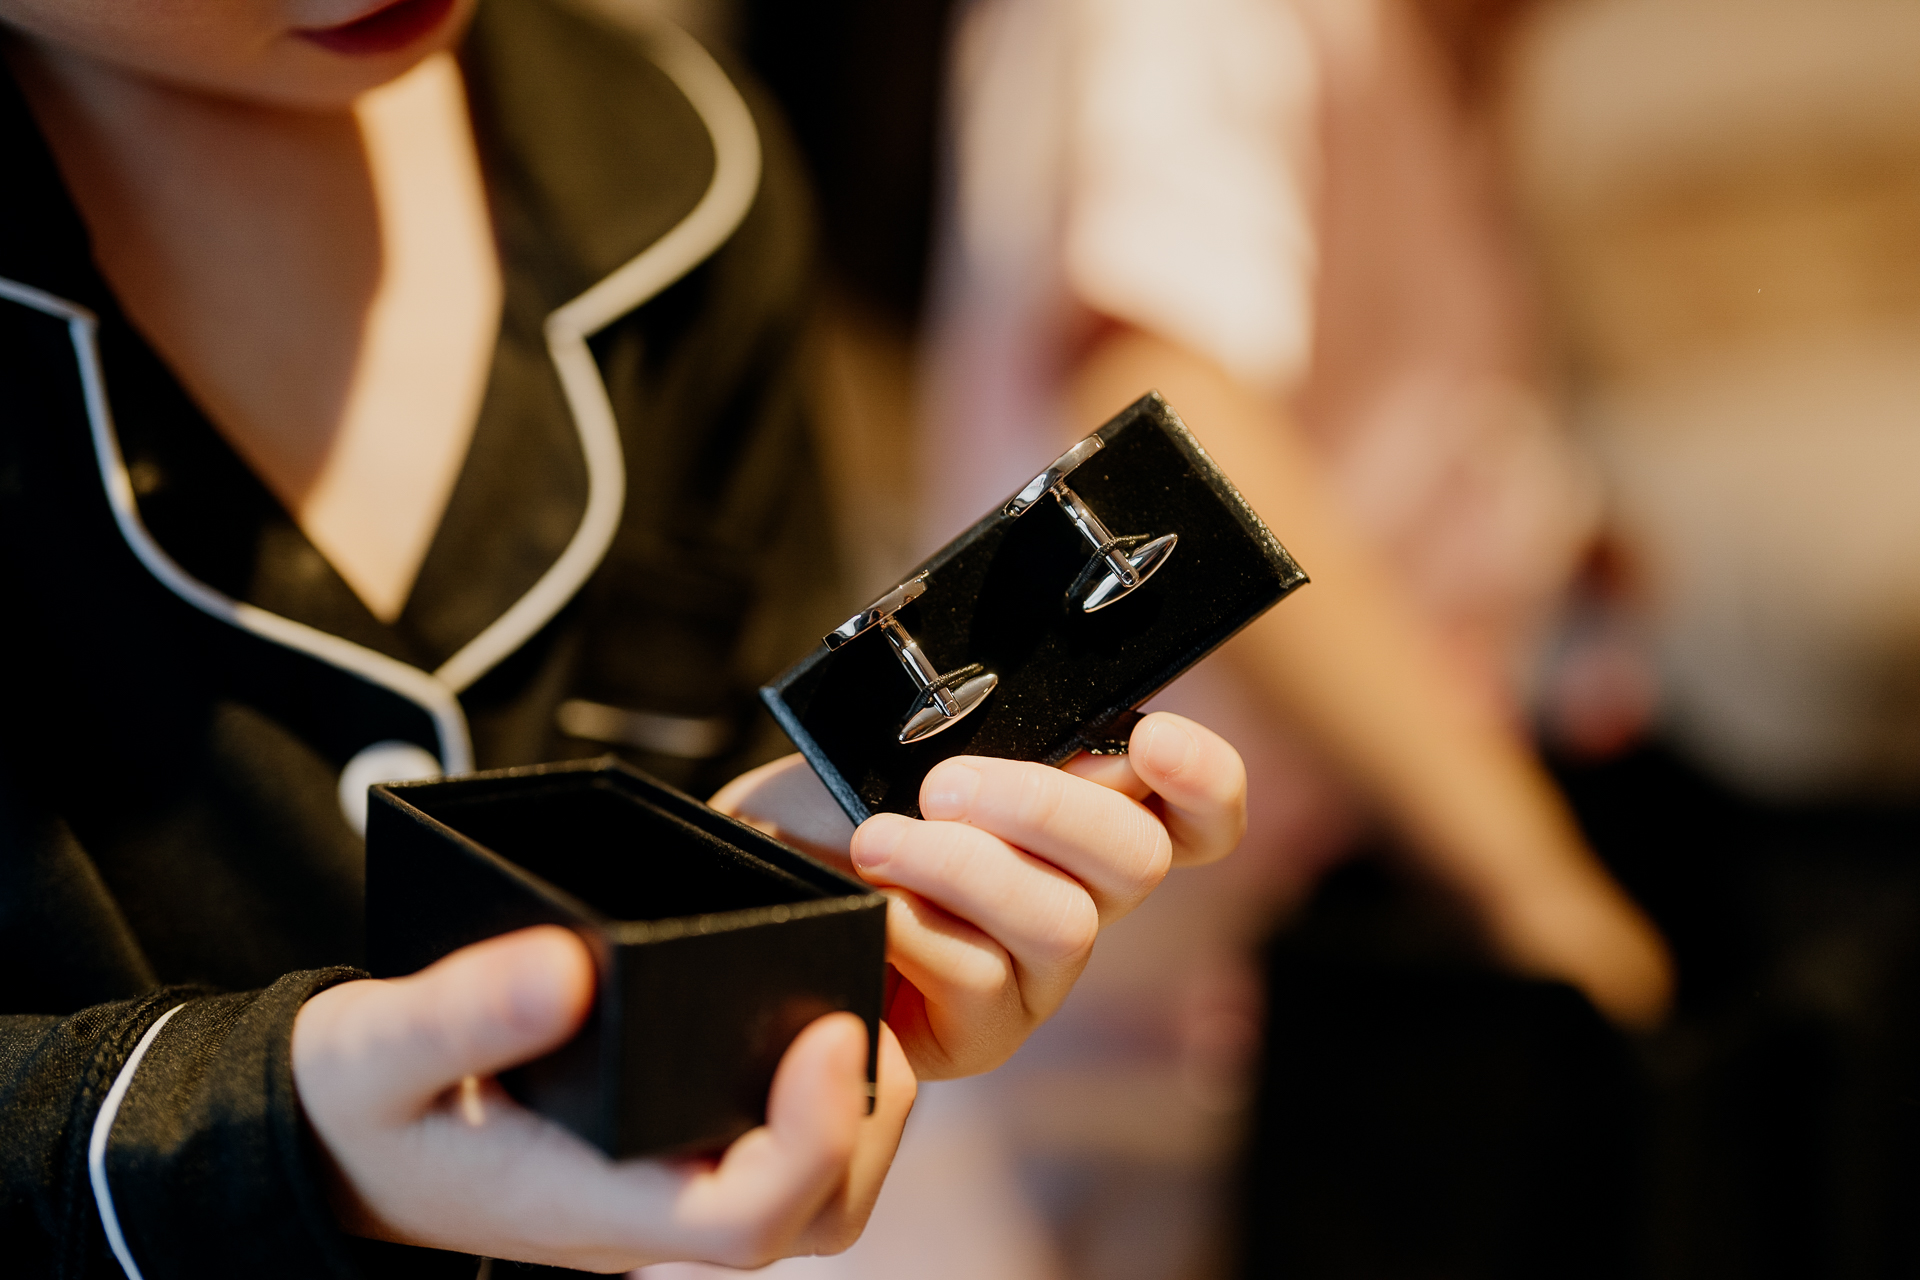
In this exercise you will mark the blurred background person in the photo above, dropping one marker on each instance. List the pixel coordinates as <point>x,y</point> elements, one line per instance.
<point>1725,205</point>
<point>1718,204</point>
<point>1334,298</point>
<point>1722,205</point>
<point>1282,215</point>
<point>1278,214</point>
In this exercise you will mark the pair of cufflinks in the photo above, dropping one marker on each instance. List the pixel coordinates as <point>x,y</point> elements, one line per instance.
<point>1117,567</point>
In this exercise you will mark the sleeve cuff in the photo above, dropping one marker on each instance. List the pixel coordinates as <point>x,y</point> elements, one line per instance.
<point>208,1164</point>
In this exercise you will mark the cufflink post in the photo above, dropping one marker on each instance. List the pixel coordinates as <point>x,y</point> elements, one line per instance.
<point>941,700</point>
<point>1119,564</point>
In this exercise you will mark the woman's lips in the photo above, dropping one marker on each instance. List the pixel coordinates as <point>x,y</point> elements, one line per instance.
<point>393,26</point>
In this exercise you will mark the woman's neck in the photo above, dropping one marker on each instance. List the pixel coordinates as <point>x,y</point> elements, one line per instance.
<point>323,283</point>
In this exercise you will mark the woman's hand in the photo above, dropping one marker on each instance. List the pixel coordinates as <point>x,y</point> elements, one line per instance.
<point>397,1080</point>
<point>998,894</point>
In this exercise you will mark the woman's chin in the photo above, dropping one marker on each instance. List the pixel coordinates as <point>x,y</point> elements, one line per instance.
<point>318,69</point>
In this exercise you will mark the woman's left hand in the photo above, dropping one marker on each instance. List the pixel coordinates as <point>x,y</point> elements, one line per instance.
<point>999,892</point>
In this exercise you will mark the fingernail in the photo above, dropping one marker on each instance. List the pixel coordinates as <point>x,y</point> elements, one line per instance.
<point>950,790</point>
<point>1169,748</point>
<point>877,840</point>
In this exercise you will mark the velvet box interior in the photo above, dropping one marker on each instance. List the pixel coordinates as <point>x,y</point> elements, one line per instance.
<point>1017,597</point>
<point>714,944</point>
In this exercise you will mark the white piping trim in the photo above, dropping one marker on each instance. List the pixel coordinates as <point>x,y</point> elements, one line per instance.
<point>97,1146</point>
<point>729,194</point>
<point>450,723</point>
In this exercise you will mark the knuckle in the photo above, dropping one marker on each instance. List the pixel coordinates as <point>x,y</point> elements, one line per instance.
<point>755,1245</point>
<point>840,1237</point>
<point>1071,931</point>
<point>745,1257</point>
<point>1083,927</point>
<point>1145,855</point>
<point>980,974</point>
<point>999,1032</point>
<point>1153,868</point>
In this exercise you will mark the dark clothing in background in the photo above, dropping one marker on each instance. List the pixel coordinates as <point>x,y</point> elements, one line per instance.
<point>861,81</point>
<point>169,824</point>
<point>1422,1115</point>
<point>1786,1093</point>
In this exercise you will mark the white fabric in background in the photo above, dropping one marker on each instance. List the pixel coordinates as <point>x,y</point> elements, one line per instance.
<point>1190,175</point>
<point>1727,194</point>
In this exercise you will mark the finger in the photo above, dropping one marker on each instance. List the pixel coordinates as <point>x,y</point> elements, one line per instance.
<point>1041,915</point>
<point>480,1010</point>
<point>787,800</point>
<point>819,1094</point>
<point>1115,773</point>
<point>576,1208</point>
<point>1200,783</point>
<point>775,1180</point>
<point>1112,845</point>
<point>963,1001</point>
<point>840,1223</point>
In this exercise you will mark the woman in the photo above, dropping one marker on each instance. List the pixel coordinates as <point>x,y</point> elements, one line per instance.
<point>372,412</point>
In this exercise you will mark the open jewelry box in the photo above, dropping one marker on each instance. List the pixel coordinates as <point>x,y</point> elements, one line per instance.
<point>714,944</point>
<point>1034,634</point>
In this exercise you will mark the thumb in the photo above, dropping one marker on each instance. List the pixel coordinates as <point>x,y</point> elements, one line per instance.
<point>778,1177</point>
<point>1201,782</point>
<point>819,1093</point>
<point>480,1010</point>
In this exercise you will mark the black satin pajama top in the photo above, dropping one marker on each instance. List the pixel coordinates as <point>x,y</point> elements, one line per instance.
<point>635,543</point>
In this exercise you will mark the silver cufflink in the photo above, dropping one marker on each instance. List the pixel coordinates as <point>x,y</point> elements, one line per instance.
<point>1119,564</point>
<point>942,699</point>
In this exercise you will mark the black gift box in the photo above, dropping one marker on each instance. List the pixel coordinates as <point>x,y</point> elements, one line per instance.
<point>1018,597</point>
<point>714,944</point>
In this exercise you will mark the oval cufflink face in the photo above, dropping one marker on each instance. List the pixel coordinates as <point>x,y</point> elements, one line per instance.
<point>928,719</point>
<point>389,761</point>
<point>1100,585</point>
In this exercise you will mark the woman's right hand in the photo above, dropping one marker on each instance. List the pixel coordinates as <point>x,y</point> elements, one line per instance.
<point>397,1080</point>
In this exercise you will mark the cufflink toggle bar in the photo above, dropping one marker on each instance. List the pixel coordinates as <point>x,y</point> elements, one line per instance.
<point>942,699</point>
<point>1119,564</point>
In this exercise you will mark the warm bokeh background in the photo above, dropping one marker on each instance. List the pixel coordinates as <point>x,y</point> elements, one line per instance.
<point>1584,336</point>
